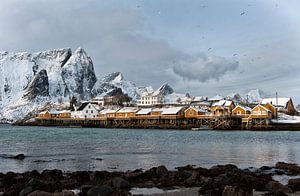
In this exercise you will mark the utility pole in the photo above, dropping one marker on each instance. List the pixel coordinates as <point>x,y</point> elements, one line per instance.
<point>276,105</point>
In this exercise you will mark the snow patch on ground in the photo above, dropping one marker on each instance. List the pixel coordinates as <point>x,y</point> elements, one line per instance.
<point>284,118</point>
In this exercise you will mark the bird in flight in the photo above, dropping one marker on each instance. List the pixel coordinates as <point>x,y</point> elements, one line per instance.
<point>243,13</point>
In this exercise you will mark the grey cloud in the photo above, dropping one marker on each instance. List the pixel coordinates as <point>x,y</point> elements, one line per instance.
<point>205,68</point>
<point>112,35</point>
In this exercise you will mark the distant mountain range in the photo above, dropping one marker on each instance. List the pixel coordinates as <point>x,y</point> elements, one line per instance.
<point>29,81</point>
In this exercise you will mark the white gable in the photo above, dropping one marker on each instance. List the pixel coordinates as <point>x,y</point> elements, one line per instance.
<point>276,101</point>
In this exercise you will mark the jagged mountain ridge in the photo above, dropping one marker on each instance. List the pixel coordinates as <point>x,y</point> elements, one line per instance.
<point>49,76</point>
<point>251,96</point>
<point>29,81</point>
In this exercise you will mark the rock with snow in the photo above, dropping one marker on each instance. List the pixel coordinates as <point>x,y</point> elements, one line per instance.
<point>254,96</point>
<point>30,80</point>
<point>39,86</point>
<point>78,75</point>
<point>111,82</point>
<point>164,90</point>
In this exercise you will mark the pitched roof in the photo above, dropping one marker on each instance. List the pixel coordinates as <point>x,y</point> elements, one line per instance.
<point>282,102</point>
<point>144,111</point>
<point>171,110</point>
<point>246,108</point>
<point>196,109</point>
<point>82,106</point>
<point>109,110</point>
<point>263,107</point>
<point>127,109</point>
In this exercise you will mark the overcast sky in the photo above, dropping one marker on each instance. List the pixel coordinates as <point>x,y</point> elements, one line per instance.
<point>204,47</point>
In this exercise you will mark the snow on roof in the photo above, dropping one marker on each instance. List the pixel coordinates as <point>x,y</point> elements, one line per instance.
<point>44,112</point>
<point>261,107</point>
<point>197,109</point>
<point>281,101</point>
<point>144,111</point>
<point>157,109</point>
<point>219,103</point>
<point>54,112</point>
<point>109,110</point>
<point>65,111</point>
<point>171,110</point>
<point>98,98</point>
<point>228,103</point>
<point>199,98</point>
<point>174,98</point>
<point>127,109</point>
<point>246,108</point>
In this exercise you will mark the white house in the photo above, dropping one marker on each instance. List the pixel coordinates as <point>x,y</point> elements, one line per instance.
<point>99,100</point>
<point>150,99</point>
<point>86,110</point>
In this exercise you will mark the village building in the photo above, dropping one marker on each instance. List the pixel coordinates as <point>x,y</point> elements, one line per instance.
<point>150,99</point>
<point>222,108</point>
<point>241,111</point>
<point>261,111</point>
<point>144,112</point>
<point>86,110</point>
<point>44,114</point>
<point>193,112</point>
<point>99,100</point>
<point>284,105</point>
<point>156,111</point>
<point>126,112</point>
<point>173,112</point>
<point>273,109</point>
<point>64,114</point>
<point>108,113</point>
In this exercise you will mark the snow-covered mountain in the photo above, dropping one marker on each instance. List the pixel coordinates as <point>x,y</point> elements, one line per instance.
<point>30,80</point>
<point>252,96</point>
<point>114,81</point>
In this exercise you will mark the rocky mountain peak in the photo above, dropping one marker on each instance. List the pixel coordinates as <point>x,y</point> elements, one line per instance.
<point>115,77</point>
<point>39,86</point>
<point>165,89</point>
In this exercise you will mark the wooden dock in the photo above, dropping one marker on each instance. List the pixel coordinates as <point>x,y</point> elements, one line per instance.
<point>160,122</point>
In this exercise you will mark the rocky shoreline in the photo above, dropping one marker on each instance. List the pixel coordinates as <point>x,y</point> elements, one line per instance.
<point>223,180</point>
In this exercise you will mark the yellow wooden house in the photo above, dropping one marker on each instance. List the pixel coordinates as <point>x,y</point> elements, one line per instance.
<point>272,108</point>
<point>108,113</point>
<point>156,111</point>
<point>222,108</point>
<point>260,111</point>
<point>193,112</point>
<point>173,112</point>
<point>64,114</point>
<point>44,114</point>
<point>241,111</point>
<point>126,112</point>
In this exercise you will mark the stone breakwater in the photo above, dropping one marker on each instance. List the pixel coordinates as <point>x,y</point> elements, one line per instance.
<point>223,180</point>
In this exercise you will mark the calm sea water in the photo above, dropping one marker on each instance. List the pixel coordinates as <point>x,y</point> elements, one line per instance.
<point>72,149</point>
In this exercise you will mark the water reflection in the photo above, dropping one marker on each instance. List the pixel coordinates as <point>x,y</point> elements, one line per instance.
<point>77,149</point>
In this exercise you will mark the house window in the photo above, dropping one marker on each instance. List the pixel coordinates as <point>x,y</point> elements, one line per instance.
<point>85,116</point>
<point>87,111</point>
<point>92,111</point>
<point>94,116</point>
<point>191,113</point>
<point>89,107</point>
